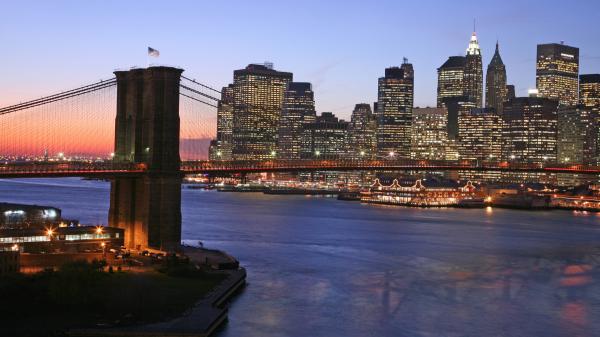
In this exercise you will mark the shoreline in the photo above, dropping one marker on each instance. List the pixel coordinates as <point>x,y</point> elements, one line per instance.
<point>203,318</point>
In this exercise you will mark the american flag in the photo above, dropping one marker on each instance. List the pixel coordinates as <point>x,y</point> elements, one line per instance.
<point>153,52</point>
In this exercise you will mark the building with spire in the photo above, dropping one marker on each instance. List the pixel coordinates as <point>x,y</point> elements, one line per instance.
<point>473,73</point>
<point>495,83</point>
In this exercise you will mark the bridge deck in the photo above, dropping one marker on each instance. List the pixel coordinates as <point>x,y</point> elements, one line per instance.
<point>219,168</point>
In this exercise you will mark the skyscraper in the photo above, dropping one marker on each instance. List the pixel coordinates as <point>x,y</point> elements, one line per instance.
<point>362,133</point>
<point>577,135</point>
<point>258,98</point>
<point>510,92</point>
<point>450,79</point>
<point>529,130</point>
<point>429,133</point>
<point>394,111</point>
<point>480,134</point>
<point>495,88</point>
<point>298,109</point>
<point>325,138</point>
<point>557,72</point>
<point>473,73</point>
<point>589,90</point>
<point>222,146</point>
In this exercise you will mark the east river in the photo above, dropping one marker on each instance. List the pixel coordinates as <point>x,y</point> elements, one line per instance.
<point>322,267</point>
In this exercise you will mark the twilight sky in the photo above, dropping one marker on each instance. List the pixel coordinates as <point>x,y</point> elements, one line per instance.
<point>342,47</point>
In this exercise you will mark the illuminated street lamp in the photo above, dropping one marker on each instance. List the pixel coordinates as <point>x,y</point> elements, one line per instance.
<point>392,154</point>
<point>219,153</point>
<point>49,232</point>
<point>317,153</point>
<point>273,153</point>
<point>362,153</point>
<point>99,230</point>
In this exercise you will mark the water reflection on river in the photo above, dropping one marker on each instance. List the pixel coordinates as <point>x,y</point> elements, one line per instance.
<point>322,267</point>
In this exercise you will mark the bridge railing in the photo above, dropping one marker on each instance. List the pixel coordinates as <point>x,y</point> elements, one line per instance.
<point>68,167</point>
<point>403,163</point>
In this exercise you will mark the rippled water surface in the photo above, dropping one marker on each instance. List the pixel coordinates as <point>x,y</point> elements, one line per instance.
<point>322,267</point>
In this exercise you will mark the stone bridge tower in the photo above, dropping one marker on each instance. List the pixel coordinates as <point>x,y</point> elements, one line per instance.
<point>147,133</point>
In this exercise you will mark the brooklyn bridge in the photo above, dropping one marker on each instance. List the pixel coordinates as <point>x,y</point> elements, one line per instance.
<point>147,123</point>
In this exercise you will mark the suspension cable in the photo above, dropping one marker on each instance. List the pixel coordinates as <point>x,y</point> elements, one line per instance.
<point>60,96</point>
<point>200,84</point>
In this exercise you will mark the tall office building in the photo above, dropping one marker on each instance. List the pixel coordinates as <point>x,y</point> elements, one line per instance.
<point>455,105</point>
<point>298,109</point>
<point>221,147</point>
<point>429,133</point>
<point>480,134</point>
<point>451,79</point>
<point>510,92</point>
<point>495,83</point>
<point>589,90</point>
<point>258,92</point>
<point>362,133</point>
<point>394,111</point>
<point>325,138</point>
<point>557,72</point>
<point>577,135</point>
<point>473,74</point>
<point>529,130</point>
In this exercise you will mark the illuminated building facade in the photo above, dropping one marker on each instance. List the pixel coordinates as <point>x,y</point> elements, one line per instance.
<point>258,92</point>
<point>480,134</point>
<point>529,130</point>
<point>222,146</point>
<point>325,138</point>
<point>473,73</point>
<point>510,92</point>
<point>298,109</point>
<point>495,83</point>
<point>589,90</point>
<point>450,79</point>
<point>454,105</point>
<point>362,133</point>
<point>394,111</point>
<point>19,216</point>
<point>430,133</point>
<point>557,72</point>
<point>577,135</point>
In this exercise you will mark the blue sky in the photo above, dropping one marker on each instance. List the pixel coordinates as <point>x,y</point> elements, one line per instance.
<point>342,47</point>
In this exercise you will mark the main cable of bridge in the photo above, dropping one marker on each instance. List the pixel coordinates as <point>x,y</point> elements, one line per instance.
<point>86,89</point>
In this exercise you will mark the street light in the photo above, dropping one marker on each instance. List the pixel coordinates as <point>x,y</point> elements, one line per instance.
<point>317,153</point>
<point>362,153</point>
<point>273,153</point>
<point>99,230</point>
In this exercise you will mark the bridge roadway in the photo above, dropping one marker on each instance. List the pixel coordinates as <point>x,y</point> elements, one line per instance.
<point>227,168</point>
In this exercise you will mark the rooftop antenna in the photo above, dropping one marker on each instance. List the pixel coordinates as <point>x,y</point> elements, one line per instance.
<point>474,30</point>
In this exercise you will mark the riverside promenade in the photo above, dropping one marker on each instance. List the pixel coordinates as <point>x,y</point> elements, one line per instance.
<point>201,320</point>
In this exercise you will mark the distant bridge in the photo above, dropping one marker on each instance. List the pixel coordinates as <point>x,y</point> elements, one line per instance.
<point>109,169</point>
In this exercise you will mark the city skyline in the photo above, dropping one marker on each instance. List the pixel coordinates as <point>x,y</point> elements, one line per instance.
<point>341,77</point>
